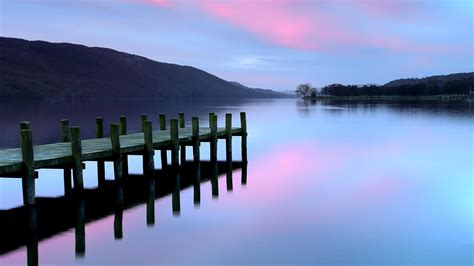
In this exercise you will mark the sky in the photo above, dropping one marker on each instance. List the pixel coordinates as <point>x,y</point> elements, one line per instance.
<point>262,43</point>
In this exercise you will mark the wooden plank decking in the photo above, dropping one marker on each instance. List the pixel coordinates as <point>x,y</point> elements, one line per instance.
<point>56,154</point>
<point>72,151</point>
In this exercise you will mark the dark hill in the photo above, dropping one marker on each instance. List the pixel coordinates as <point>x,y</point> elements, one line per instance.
<point>37,69</point>
<point>434,81</point>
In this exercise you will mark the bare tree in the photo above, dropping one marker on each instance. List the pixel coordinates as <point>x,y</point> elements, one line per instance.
<point>304,90</point>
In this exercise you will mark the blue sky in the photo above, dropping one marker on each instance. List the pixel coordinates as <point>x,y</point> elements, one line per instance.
<point>269,44</point>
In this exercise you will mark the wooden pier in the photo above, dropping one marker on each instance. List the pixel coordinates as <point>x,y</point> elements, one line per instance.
<point>72,151</point>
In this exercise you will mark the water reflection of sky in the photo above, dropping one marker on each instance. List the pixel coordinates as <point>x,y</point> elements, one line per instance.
<point>353,186</point>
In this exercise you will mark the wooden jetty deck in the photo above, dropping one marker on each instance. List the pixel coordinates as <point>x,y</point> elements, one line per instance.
<point>73,151</point>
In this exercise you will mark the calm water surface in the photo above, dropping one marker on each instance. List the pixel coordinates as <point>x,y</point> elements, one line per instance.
<point>329,183</point>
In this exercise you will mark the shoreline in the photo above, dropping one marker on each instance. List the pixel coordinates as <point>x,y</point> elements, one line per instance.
<point>450,97</point>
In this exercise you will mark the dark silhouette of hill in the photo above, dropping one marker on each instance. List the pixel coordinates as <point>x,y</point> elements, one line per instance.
<point>453,84</point>
<point>434,81</point>
<point>38,69</point>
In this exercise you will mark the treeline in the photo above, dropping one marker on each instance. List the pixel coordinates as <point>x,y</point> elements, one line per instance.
<point>418,89</point>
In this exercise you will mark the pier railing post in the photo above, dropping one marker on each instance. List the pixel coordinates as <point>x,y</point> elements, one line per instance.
<point>164,154</point>
<point>28,170</point>
<point>213,126</point>
<point>76,148</point>
<point>243,126</point>
<point>123,131</point>
<point>182,124</point>
<point>117,156</point>
<point>174,144</point>
<point>148,153</point>
<point>99,133</point>
<point>67,171</point>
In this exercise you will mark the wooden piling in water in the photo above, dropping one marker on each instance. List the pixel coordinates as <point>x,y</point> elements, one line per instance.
<point>196,161</point>
<point>213,126</point>
<point>228,145</point>
<point>76,149</point>
<point>196,143</point>
<point>67,171</point>
<point>243,126</point>
<point>28,170</point>
<point>117,156</point>
<point>123,131</point>
<point>164,154</point>
<point>182,124</point>
<point>148,153</point>
<point>174,143</point>
<point>228,137</point>
<point>99,133</point>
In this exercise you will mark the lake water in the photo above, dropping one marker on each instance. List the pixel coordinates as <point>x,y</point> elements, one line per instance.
<point>329,183</point>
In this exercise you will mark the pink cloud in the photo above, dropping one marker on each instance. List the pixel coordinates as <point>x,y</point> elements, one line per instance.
<point>273,21</point>
<point>307,25</point>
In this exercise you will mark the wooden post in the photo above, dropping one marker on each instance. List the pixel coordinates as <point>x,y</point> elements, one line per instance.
<point>228,144</point>
<point>162,121</point>
<point>76,148</point>
<point>28,170</point>
<point>99,133</point>
<point>228,139</point>
<point>65,130</point>
<point>174,143</point>
<point>197,161</point>
<point>25,125</point>
<point>181,120</point>
<point>182,124</point>
<point>196,143</point>
<point>210,117</point>
<point>117,157</point>
<point>123,125</point>
<point>67,171</point>
<point>123,131</point>
<point>143,120</point>
<point>243,126</point>
<point>164,154</point>
<point>213,126</point>
<point>148,160</point>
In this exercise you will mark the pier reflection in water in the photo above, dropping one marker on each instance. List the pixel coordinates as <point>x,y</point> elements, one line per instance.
<point>27,225</point>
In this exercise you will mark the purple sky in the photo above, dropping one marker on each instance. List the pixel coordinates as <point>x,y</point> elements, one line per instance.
<point>263,43</point>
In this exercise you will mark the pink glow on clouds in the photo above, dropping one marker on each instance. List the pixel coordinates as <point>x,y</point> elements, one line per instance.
<point>277,24</point>
<point>308,25</point>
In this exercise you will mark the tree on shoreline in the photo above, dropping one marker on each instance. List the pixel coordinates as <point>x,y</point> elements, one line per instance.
<point>305,90</point>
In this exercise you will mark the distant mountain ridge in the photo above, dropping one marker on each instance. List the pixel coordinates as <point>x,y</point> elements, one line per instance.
<point>38,69</point>
<point>438,81</point>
